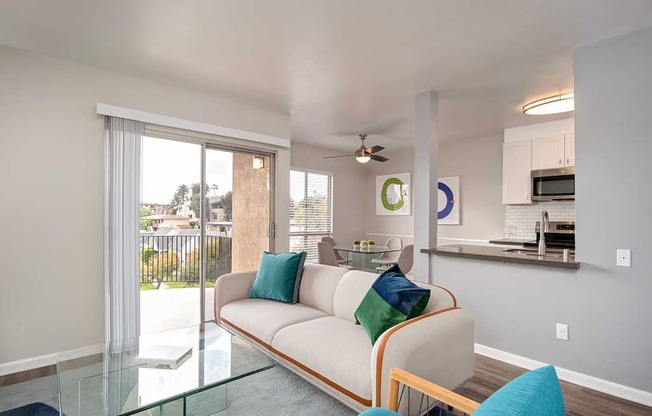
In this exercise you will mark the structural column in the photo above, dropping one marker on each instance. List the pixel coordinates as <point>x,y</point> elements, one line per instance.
<point>426,143</point>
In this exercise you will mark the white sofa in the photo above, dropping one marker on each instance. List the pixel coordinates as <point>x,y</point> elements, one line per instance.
<point>318,339</point>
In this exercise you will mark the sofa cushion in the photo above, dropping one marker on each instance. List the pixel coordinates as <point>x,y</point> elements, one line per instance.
<point>279,277</point>
<point>349,293</point>
<point>334,348</point>
<point>264,318</point>
<point>535,393</point>
<point>392,299</point>
<point>318,286</point>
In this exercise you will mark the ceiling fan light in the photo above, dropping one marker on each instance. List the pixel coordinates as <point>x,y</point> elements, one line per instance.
<point>552,105</point>
<point>361,155</point>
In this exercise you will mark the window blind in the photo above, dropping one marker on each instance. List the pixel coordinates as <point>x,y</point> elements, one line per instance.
<point>311,210</point>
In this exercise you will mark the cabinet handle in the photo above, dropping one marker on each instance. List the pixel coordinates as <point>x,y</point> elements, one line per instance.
<point>560,161</point>
<point>567,160</point>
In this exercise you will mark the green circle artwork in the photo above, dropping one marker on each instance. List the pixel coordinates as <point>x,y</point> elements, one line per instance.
<point>395,201</point>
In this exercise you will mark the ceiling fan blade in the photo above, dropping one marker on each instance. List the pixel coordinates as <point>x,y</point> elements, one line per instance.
<point>375,149</point>
<point>378,158</point>
<point>332,157</point>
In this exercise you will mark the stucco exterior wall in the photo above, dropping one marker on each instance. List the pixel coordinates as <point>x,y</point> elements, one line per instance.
<point>250,212</point>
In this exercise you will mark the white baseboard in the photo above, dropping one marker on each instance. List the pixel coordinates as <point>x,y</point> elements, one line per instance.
<point>33,363</point>
<point>594,383</point>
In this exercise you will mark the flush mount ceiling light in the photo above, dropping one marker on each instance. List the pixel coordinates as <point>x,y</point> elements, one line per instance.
<point>560,103</point>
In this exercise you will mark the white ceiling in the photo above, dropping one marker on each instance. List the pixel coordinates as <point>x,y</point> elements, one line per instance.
<point>338,67</point>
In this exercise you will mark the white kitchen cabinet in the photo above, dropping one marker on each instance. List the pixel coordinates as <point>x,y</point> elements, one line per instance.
<point>569,150</point>
<point>548,152</point>
<point>517,165</point>
<point>553,152</point>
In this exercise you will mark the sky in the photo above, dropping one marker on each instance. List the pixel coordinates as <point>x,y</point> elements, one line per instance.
<point>166,164</point>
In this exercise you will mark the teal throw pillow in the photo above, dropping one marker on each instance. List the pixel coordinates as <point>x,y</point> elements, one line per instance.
<point>535,393</point>
<point>378,411</point>
<point>392,299</point>
<point>279,277</point>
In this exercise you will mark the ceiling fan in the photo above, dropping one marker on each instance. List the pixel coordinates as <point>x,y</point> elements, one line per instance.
<point>364,153</point>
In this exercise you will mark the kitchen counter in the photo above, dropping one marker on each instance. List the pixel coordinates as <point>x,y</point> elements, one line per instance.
<point>511,241</point>
<point>551,259</point>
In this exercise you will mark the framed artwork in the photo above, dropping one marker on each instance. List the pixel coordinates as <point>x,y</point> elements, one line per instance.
<point>448,201</point>
<point>393,194</point>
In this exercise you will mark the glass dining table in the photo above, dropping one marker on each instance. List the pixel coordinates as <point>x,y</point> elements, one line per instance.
<point>361,258</point>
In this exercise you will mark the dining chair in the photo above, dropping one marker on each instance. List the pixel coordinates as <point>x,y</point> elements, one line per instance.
<point>405,260</point>
<point>326,255</point>
<point>331,242</point>
<point>391,257</point>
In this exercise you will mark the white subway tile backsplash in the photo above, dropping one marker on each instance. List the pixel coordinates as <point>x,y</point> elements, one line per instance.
<point>520,219</point>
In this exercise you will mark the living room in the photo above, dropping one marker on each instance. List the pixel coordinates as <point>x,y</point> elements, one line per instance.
<point>440,99</point>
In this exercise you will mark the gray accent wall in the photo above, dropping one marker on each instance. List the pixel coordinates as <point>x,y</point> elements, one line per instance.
<point>608,308</point>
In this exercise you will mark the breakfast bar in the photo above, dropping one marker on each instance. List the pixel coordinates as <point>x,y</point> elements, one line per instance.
<point>552,258</point>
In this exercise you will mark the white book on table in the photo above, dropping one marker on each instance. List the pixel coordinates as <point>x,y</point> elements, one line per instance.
<point>164,356</point>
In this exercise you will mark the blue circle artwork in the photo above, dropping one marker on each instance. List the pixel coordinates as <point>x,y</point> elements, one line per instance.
<point>450,201</point>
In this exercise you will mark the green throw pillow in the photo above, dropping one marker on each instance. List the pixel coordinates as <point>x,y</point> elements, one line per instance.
<point>391,300</point>
<point>279,277</point>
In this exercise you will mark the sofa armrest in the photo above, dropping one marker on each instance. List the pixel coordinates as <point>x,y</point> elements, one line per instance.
<point>437,347</point>
<point>231,287</point>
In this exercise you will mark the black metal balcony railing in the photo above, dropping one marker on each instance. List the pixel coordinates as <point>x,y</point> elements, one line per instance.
<point>176,258</point>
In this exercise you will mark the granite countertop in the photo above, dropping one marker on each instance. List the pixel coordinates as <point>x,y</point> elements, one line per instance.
<point>553,258</point>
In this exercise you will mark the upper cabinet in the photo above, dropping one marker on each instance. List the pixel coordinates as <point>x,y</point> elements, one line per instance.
<point>517,165</point>
<point>569,150</point>
<point>553,152</point>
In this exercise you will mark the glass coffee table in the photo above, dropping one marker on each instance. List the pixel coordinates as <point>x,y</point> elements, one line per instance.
<point>131,378</point>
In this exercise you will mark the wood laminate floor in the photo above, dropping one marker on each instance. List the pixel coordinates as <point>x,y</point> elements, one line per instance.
<point>490,375</point>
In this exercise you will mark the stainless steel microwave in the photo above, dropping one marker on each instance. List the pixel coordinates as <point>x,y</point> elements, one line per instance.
<point>553,184</point>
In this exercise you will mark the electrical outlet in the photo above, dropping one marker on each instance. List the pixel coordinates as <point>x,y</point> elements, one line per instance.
<point>624,258</point>
<point>562,332</point>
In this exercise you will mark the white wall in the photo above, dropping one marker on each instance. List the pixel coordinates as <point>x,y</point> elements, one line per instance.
<point>348,188</point>
<point>607,308</point>
<point>51,173</point>
<point>381,227</point>
<point>478,163</point>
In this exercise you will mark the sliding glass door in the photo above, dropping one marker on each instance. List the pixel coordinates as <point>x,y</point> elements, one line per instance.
<point>206,210</point>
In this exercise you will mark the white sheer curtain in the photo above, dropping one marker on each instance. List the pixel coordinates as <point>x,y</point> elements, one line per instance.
<point>122,228</point>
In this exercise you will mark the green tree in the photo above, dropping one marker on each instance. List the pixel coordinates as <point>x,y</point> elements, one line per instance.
<point>310,214</point>
<point>226,203</point>
<point>216,265</point>
<point>144,212</point>
<point>180,196</point>
<point>160,267</point>
<point>195,200</point>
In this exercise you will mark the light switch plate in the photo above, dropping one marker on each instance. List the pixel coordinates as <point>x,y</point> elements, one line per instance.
<point>624,258</point>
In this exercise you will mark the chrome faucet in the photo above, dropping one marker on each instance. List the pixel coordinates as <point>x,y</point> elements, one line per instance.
<point>544,227</point>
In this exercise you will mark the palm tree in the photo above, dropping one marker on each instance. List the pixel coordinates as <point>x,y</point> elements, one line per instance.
<point>214,188</point>
<point>181,195</point>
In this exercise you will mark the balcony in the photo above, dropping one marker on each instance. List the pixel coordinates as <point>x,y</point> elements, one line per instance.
<point>169,278</point>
